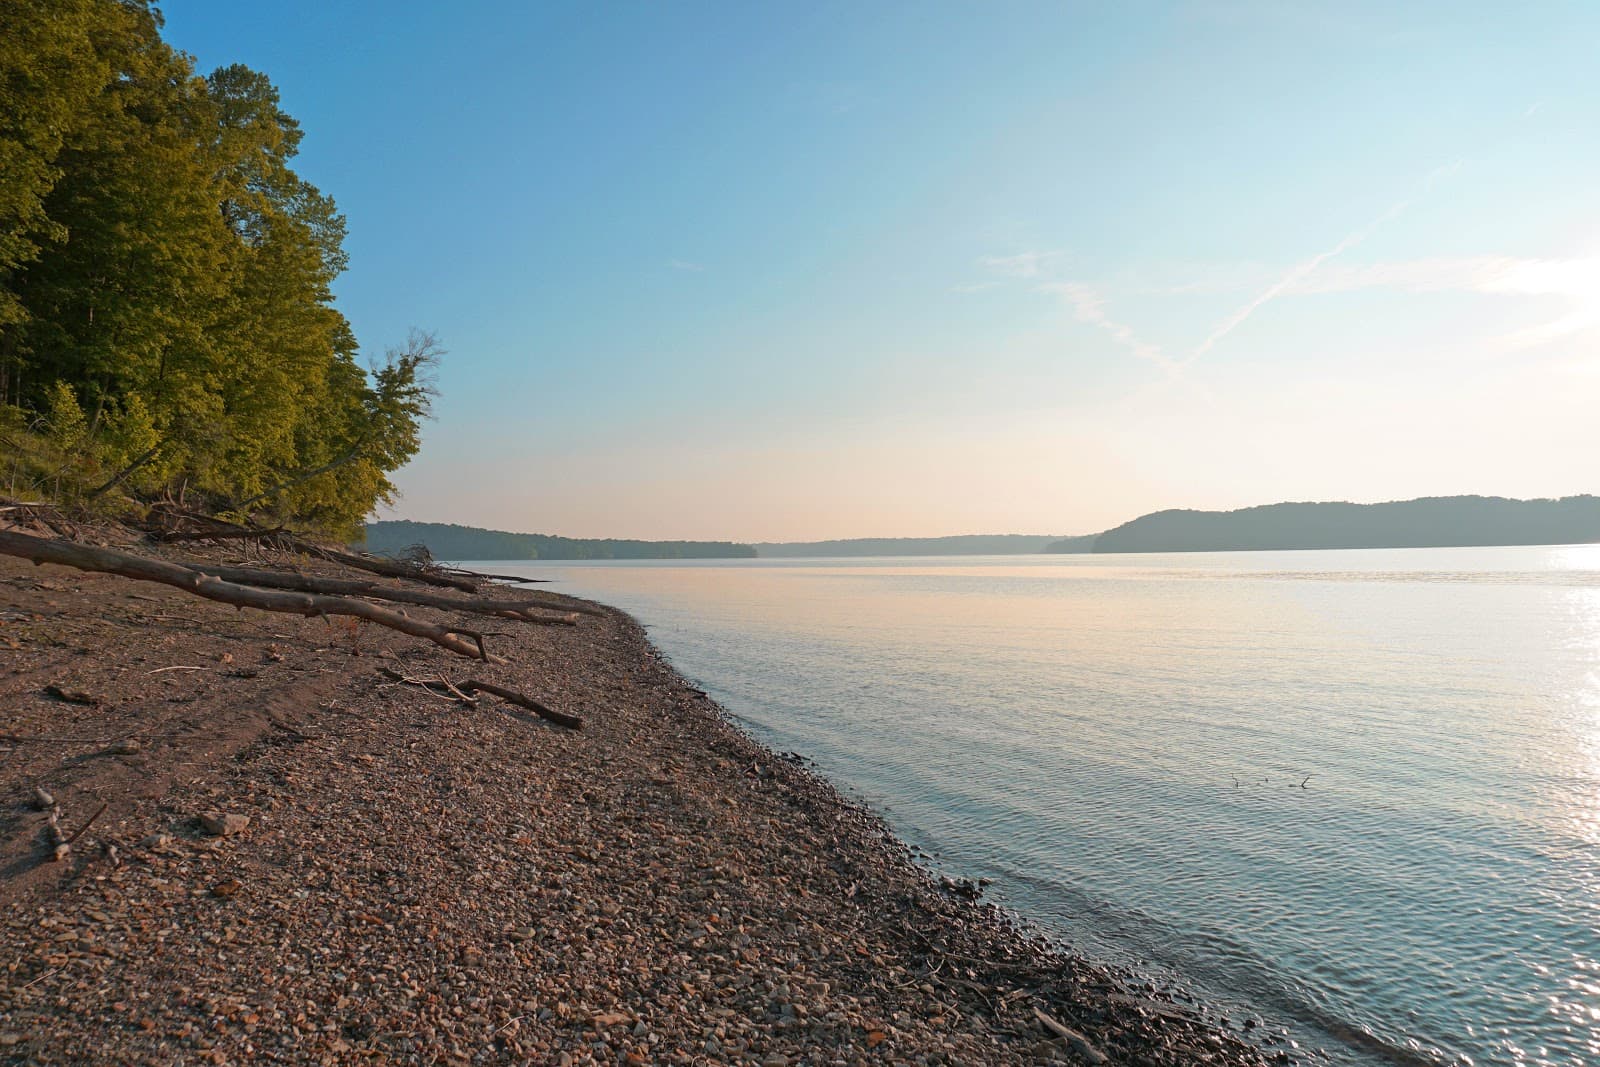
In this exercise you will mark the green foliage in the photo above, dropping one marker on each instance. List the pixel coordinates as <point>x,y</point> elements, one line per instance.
<point>49,73</point>
<point>65,424</point>
<point>164,267</point>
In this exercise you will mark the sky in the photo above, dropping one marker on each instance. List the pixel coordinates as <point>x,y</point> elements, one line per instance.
<point>789,271</point>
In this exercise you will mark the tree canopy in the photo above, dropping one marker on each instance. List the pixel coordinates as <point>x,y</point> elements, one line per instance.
<point>167,319</point>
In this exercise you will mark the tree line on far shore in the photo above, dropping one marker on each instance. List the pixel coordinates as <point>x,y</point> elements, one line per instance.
<point>451,542</point>
<point>167,322</point>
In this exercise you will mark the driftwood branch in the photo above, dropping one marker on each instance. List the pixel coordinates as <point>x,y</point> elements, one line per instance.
<point>439,688</point>
<point>1077,1041</point>
<point>387,567</point>
<point>510,696</point>
<point>443,689</point>
<point>519,579</point>
<point>140,568</point>
<point>226,533</point>
<point>171,522</point>
<point>304,583</point>
<point>117,479</point>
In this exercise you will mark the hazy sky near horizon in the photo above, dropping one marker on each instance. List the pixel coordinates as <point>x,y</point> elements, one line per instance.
<point>795,271</point>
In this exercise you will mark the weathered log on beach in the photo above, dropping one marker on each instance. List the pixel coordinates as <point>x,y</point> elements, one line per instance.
<point>461,641</point>
<point>389,568</point>
<point>174,524</point>
<point>305,583</point>
<point>517,578</point>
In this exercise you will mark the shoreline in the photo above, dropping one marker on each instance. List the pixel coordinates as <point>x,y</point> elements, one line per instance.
<point>420,882</point>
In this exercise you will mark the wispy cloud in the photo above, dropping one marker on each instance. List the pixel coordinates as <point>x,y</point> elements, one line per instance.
<point>976,287</point>
<point>1021,265</point>
<point>1574,280</point>
<point>1300,271</point>
<point>1290,278</point>
<point>684,264</point>
<point>1089,307</point>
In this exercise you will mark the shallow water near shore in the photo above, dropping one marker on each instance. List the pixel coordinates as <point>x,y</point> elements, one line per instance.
<point>1355,793</point>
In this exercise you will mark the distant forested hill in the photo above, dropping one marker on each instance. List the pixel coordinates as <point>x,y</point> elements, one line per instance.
<point>1084,543</point>
<point>965,545</point>
<point>1428,522</point>
<point>452,542</point>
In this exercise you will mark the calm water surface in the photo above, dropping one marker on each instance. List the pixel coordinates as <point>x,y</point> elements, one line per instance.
<point>1355,792</point>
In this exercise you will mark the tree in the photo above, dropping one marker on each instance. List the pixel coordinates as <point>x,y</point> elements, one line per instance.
<point>164,269</point>
<point>50,71</point>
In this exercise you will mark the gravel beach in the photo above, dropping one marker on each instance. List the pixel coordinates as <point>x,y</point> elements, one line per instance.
<point>301,859</point>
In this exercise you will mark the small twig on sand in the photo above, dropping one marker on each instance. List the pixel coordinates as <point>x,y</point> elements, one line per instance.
<point>159,670</point>
<point>469,701</point>
<point>1077,1041</point>
<point>42,977</point>
<point>431,687</point>
<point>101,810</point>
<point>294,731</point>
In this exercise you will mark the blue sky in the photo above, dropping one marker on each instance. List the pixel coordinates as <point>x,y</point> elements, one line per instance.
<point>784,271</point>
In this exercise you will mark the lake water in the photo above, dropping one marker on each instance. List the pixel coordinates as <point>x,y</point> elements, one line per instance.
<point>1356,793</point>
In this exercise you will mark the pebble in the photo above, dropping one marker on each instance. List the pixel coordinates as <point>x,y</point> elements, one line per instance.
<point>221,825</point>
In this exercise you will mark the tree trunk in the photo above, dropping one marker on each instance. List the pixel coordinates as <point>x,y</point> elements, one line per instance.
<point>140,568</point>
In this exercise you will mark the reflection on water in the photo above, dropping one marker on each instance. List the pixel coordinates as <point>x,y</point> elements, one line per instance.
<point>1358,792</point>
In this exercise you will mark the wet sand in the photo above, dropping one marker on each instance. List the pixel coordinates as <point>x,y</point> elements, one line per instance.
<point>422,882</point>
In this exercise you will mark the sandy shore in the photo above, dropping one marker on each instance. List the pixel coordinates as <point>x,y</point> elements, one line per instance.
<point>425,883</point>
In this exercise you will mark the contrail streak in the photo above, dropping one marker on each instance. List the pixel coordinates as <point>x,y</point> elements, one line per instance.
<point>1293,277</point>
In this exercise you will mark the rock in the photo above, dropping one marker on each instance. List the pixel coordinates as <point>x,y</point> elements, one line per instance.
<point>156,841</point>
<point>222,825</point>
<point>226,888</point>
<point>610,1018</point>
<point>43,800</point>
<point>129,747</point>
<point>71,696</point>
<point>775,1059</point>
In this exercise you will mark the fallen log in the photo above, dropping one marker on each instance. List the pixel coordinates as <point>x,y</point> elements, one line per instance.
<point>211,528</point>
<point>386,567</point>
<point>305,583</point>
<point>461,641</point>
<point>519,579</point>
